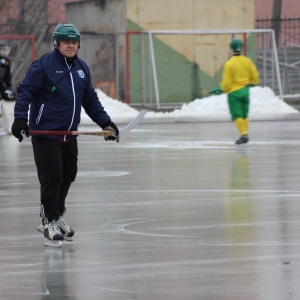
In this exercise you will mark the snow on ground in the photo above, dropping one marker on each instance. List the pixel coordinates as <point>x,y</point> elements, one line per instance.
<point>264,105</point>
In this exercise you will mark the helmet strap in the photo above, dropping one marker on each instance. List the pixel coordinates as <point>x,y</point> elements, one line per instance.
<point>55,43</point>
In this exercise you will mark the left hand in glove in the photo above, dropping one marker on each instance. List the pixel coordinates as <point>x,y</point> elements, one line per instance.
<point>111,126</point>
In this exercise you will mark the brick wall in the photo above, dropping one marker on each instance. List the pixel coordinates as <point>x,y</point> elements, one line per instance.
<point>57,11</point>
<point>289,9</point>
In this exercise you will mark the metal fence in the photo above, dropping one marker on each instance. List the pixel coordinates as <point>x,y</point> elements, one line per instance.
<point>287,35</point>
<point>287,30</point>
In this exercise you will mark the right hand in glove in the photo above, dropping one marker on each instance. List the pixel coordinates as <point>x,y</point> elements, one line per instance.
<point>9,95</point>
<point>217,91</point>
<point>19,126</point>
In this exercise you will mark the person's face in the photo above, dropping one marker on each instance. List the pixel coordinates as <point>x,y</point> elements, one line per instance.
<point>4,51</point>
<point>68,48</point>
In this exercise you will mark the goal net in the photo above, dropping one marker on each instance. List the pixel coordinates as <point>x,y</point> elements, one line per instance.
<point>172,67</point>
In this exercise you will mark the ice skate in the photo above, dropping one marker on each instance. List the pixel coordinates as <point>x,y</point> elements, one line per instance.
<point>242,140</point>
<point>52,231</point>
<point>65,229</point>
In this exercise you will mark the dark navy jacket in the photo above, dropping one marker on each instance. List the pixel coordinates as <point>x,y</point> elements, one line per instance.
<point>55,92</point>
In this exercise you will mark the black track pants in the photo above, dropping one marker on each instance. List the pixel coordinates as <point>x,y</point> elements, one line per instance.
<point>56,163</point>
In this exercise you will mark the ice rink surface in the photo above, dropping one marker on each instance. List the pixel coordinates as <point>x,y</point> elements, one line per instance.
<point>171,212</point>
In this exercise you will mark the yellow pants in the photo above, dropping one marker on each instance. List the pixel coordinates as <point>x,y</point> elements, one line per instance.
<point>242,125</point>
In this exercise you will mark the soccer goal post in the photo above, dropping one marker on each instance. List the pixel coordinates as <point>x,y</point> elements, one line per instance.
<point>169,67</point>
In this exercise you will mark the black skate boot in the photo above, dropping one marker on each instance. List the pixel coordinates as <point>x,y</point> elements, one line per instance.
<point>52,235</point>
<point>242,140</point>
<point>65,229</point>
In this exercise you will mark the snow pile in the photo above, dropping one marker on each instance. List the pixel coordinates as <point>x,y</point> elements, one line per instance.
<point>120,112</point>
<point>263,100</point>
<point>263,105</point>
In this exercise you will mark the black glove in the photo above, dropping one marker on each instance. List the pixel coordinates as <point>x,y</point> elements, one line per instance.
<point>19,126</point>
<point>111,126</point>
<point>8,95</point>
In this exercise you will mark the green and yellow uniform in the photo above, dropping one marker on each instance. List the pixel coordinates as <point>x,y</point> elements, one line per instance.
<point>239,72</point>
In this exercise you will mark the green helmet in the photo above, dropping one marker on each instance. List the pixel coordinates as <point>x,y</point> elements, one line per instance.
<point>65,32</point>
<point>236,45</point>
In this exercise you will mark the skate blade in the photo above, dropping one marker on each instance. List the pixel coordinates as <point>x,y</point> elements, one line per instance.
<point>50,243</point>
<point>41,228</point>
<point>243,145</point>
<point>68,239</point>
